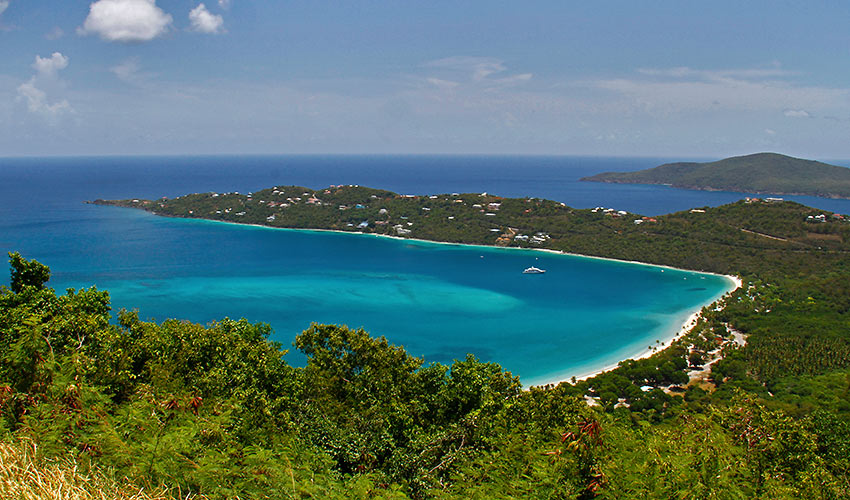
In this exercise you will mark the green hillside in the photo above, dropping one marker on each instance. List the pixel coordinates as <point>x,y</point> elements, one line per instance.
<point>757,173</point>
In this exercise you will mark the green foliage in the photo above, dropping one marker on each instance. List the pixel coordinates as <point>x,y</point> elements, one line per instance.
<point>374,408</point>
<point>27,273</point>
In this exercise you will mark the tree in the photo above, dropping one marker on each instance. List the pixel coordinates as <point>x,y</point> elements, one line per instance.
<point>27,273</point>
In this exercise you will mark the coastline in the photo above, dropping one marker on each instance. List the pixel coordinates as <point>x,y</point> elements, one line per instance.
<point>643,353</point>
<point>734,279</point>
<point>728,189</point>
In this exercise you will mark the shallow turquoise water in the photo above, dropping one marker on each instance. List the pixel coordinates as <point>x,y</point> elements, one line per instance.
<point>439,301</point>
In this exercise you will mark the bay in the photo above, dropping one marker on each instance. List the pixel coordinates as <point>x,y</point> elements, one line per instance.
<point>439,301</point>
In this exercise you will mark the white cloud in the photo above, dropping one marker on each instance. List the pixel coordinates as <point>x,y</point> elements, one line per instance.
<point>4,4</point>
<point>37,100</point>
<point>436,107</point>
<point>224,4</point>
<point>48,66</point>
<point>126,20</point>
<point>46,70</point>
<point>203,21</point>
<point>797,113</point>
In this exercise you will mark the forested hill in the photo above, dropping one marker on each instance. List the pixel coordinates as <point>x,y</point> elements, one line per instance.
<point>756,173</point>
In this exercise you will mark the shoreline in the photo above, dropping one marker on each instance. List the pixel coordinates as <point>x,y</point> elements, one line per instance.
<point>683,330</point>
<point>743,191</point>
<point>734,279</point>
<point>643,353</point>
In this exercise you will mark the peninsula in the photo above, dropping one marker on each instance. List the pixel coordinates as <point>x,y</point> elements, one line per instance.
<point>768,173</point>
<point>730,239</point>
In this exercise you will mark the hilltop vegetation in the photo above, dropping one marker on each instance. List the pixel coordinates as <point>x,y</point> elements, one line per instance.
<point>758,173</point>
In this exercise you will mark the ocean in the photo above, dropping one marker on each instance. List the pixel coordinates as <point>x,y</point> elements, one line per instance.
<point>438,301</point>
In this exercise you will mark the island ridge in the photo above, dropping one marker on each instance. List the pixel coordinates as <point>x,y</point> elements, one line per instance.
<point>764,173</point>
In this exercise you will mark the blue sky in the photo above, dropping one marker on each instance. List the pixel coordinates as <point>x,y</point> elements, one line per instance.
<point>677,78</point>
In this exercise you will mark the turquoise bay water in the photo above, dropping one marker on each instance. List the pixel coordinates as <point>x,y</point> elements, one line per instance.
<point>439,301</point>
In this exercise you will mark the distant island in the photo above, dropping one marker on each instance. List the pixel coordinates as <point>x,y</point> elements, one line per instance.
<point>768,173</point>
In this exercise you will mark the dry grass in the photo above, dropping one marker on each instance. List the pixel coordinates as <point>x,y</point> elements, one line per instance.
<point>25,477</point>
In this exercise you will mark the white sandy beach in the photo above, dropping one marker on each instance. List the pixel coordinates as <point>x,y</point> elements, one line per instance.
<point>647,352</point>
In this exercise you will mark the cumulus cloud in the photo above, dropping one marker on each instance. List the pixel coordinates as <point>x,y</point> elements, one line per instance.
<point>49,66</point>
<point>224,4</point>
<point>203,21</point>
<point>797,113</point>
<point>36,99</point>
<point>126,20</point>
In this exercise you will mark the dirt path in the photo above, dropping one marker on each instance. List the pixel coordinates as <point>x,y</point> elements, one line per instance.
<point>765,235</point>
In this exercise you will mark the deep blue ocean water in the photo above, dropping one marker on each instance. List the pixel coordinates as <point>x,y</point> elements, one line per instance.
<point>439,301</point>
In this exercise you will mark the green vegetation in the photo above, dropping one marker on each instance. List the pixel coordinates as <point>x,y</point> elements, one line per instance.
<point>184,410</point>
<point>754,402</point>
<point>757,173</point>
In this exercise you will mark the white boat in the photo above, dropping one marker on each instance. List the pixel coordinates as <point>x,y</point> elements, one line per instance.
<point>534,270</point>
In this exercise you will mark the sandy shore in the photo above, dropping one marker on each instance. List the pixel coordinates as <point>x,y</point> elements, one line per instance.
<point>642,354</point>
<point>648,352</point>
<point>689,323</point>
